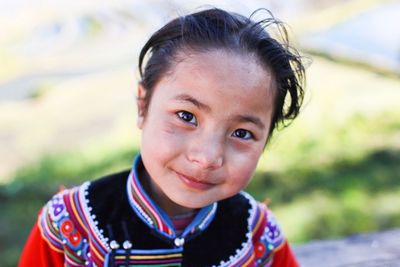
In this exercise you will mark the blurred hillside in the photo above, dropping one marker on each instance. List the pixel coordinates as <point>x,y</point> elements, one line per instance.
<point>53,51</point>
<point>67,113</point>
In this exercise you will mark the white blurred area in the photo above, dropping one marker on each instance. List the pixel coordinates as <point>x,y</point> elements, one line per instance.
<point>68,70</point>
<point>53,36</point>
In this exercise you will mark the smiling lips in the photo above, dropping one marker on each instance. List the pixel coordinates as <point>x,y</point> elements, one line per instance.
<point>193,183</point>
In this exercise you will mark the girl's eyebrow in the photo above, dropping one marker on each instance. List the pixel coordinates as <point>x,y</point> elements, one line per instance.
<point>197,103</point>
<point>252,119</point>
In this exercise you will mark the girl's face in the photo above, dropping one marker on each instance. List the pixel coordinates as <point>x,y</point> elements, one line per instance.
<point>205,129</point>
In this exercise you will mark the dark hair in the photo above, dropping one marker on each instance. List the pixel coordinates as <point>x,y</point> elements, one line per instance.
<point>218,29</point>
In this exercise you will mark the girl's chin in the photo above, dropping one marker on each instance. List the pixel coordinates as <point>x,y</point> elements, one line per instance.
<point>192,204</point>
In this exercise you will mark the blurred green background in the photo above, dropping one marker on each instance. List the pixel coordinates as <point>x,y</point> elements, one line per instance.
<point>67,113</point>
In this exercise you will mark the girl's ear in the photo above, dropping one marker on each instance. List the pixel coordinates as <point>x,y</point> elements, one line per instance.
<point>141,93</point>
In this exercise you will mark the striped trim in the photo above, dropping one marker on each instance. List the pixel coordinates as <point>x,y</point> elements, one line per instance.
<point>48,232</point>
<point>202,220</point>
<point>155,257</point>
<point>267,236</point>
<point>47,222</point>
<point>146,208</point>
<point>151,214</point>
<point>98,243</point>
<point>259,223</point>
<point>246,258</point>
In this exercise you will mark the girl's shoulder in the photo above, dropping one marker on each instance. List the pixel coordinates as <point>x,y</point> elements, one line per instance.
<point>68,220</point>
<point>266,234</point>
<point>257,213</point>
<point>79,204</point>
<point>62,221</point>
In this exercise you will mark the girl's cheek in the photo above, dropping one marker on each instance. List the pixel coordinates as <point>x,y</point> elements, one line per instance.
<point>244,159</point>
<point>173,133</point>
<point>169,129</point>
<point>245,149</point>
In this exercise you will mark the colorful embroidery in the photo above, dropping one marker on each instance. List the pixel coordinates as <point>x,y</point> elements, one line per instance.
<point>270,240</point>
<point>50,215</point>
<point>145,208</point>
<point>59,228</point>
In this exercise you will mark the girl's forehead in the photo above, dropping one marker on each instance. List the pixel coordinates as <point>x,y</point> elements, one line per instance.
<point>223,67</point>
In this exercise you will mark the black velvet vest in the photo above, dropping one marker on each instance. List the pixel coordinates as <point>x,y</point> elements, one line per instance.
<point>222,239</point>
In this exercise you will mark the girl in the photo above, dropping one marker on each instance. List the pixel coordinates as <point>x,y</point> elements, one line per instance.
<point>214,85</point>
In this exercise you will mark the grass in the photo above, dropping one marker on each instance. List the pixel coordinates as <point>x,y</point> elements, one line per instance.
<point>347,197</point>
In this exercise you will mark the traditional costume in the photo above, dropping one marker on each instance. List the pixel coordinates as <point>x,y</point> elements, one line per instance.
<point>113,222</point>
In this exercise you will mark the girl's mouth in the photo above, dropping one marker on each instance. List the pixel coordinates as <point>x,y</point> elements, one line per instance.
<point>193,183</point>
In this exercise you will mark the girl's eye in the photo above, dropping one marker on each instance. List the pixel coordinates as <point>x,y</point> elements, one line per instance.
<point>187,117</point>
<point>243,134</point>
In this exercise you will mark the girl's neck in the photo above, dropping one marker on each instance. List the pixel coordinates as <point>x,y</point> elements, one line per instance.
<point>164,202</point>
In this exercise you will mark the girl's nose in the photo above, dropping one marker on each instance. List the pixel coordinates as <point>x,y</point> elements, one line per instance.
<point>206,153</point>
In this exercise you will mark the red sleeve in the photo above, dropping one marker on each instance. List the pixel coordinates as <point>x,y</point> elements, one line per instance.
<point>284,257</point>
<point>38,253</point>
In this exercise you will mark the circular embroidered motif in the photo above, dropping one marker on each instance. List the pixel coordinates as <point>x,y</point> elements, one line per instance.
<point>70,234</point>
<point>259,249</point>
<point>66,227</point>
<point>75,239</point>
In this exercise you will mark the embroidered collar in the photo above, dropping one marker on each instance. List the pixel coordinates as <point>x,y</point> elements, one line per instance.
<point>151,214</point>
